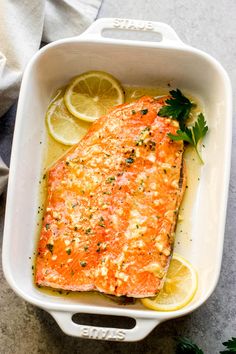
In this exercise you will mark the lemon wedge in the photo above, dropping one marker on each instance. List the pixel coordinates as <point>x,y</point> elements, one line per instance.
<point>62,125</point>
<point>92,94</point>
<point>179,288</point>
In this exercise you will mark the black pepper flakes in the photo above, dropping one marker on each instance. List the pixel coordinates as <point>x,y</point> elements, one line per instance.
<point>152,145</point>
<point>49,247</point>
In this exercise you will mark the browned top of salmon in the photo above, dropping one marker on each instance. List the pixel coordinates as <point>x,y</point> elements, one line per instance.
<point>112,205</point>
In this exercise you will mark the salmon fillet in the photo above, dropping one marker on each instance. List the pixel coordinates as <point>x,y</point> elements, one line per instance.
<point>112,205</point>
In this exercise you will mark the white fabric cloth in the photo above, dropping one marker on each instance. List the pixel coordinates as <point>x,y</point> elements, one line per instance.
<point>23,24</point>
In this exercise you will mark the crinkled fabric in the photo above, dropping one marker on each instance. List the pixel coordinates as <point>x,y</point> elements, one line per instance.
<point>23,25</point>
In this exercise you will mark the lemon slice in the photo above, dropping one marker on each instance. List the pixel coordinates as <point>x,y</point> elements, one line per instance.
<point>179,288</point>
<point>62,125</point>
<point>91,94</point>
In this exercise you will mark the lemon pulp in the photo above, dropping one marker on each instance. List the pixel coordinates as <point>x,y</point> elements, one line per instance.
<point>92,94</point>
<point>62,125</point>
<point>179,288</point>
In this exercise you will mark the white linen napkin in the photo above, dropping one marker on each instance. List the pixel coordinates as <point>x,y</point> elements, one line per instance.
<point>23,24</point>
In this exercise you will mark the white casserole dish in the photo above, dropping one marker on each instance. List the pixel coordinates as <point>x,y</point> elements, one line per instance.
<point>134,63</point>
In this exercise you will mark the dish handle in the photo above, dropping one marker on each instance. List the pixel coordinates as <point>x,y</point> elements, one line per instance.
<point>142,328</point>
<point>167,34</point>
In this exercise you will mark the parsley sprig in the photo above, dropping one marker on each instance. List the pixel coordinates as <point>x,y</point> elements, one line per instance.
<point>179,107</point>
<point>193,135</point>
<point>230,345</point>
<point>185,346</point>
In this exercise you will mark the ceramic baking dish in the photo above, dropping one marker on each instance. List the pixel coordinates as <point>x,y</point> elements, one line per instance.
<point>142,63</point>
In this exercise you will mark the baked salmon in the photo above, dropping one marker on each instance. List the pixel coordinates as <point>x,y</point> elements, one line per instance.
<point>112,205</point>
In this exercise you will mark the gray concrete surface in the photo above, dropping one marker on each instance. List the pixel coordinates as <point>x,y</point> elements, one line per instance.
<point>210,26</point>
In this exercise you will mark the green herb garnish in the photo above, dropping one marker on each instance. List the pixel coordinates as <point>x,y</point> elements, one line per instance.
<point>146,129</point>
<point>178,107</point>
<point>101,222</point>
<point>129,160</point>
<point>110,179</point>
<point>83,263</point>
<point>47,226</point>
<point>185,346</point>
<point>68,251</point>
<point>230,345</point>
<point>144,111</point>
<point>192,135</point>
